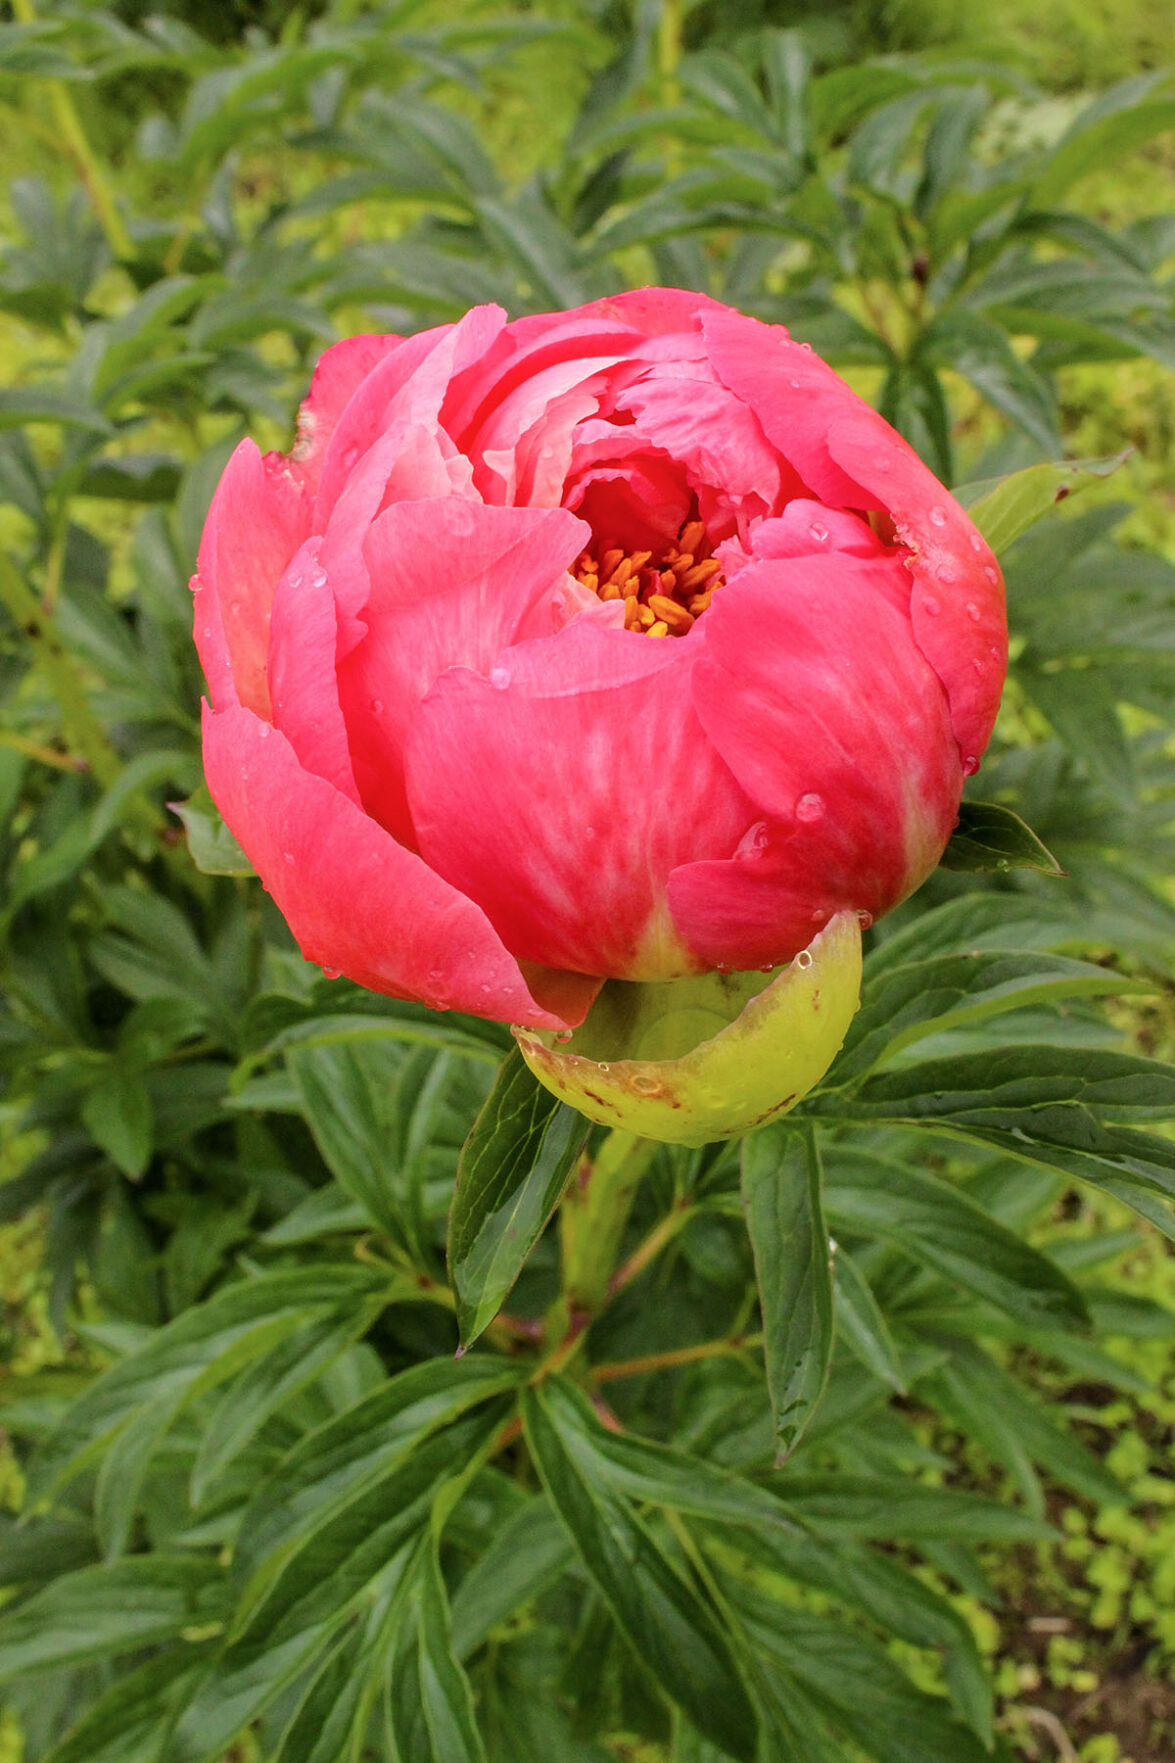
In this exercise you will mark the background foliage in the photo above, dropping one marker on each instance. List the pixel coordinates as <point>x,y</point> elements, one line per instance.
<point>257,1509</point>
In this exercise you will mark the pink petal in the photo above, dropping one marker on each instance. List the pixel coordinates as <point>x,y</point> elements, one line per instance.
<point>303,639</point>
<point>852,458</point>
<point>339,373</point>
<point>452,583</point>
<point>257,521</point>
<point>562,793</point>
<point>354,899</point>
<point>837,728</point>
<point>408,386</point>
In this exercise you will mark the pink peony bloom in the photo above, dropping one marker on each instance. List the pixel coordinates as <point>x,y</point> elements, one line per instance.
<point>624,643</point>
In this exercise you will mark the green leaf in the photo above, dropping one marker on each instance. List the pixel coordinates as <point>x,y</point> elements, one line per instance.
<point>1092,145</point>
<point>514,1167</point>
<point>781,1199</point>
<point>1008,1423</point>
<point>103,1611</point>
<point>526,1556</point>
<point>943,1228</point>
<point>118,1116</point>
<point>214,849</point>
<point>906,1002</point>
<point>900,1509</point>
<point>981,351</point>
<point>444,1688</point>
<point>1003,508</point>
<point>668,1621</point>
<point>989,836</point>
<point>860,1320</point>
<point>21,404</point>
<point>130,1722</point>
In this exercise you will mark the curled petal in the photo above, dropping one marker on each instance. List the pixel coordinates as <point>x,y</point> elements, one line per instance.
<point>852,458</point>
<point>258,518</point>
<point>452,583</point>
<point>561,792</point>
<point>356,900</point>
<point>303,640</point>
<point>837,728</point>
<point>340,372</point>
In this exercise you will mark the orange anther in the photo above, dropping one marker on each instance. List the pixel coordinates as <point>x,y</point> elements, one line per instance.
<point>700,602</point>
<point>683,562</point>
<point>692,536</point>
<point>701,572</point>
<point>610,591</point>
<point>660,629</point>
<point>609,561</point>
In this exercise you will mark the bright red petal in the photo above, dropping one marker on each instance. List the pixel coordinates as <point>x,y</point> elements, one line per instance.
<point>258,518</point>
<point>356,900</point>
<point>817,697</point>
<point>562,792</point>
<point>303,640</point>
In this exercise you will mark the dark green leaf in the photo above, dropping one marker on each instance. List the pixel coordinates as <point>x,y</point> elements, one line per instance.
<point>214,849</point>
<point>989,836</point>
<point>781,1200</point>
<point>514,1167</point>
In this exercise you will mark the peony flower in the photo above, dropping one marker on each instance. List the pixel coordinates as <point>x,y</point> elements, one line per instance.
<point>624,643</point>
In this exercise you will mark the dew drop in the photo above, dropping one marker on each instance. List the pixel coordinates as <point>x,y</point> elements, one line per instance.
<point>331,973</point>
<point>499,678</point>
<point>804,958</point>
<point>810,807</point>
<point>646,1085</point>
<point>806,347</point>
<point>377,706</point>
<point>945,574</point>
<point>753,841</point>
<point>263,732</point>
<point>970,765</point>
<point>977,664</point>
<point>938,517</point>
<point>795,385</point>
<point>820,914</point>
<point>768,967</point>
<point>317,578</point>
<point>818,532</point>
<point>930,606</point>
<point>288,855</point>
<point>604,1067</point>
<point>976,542</point>
<point>972,612</point>
<point>991,572</point>
<point>563,1035</point>
<point>865,917</point>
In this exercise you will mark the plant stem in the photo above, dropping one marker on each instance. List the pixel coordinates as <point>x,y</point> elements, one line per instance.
<point>674,1356</point>
<point>73,137</point>
<point>594,1215</point>
<point>658,1238</point>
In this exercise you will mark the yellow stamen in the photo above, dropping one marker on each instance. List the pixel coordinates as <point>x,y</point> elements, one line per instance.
<point>663,596</point>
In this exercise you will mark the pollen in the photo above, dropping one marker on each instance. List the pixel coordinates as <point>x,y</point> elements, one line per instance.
<point>663,595</point>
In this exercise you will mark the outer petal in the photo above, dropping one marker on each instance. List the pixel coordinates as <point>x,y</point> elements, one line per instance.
<point>340,372</point>
<point>561,795</point>
<point>354,899</point>
<point>852,458</point>
<point>815,694</point>
<point>452,583</point>
<point>408,386</point>
<point>258,518</point>
<point>303,640</point>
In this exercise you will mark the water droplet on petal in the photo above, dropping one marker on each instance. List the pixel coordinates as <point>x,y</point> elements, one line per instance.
<point>865,917</point>
<point>818,532</point>
<point>820,914</point>
<point>563,1035</point>
<point>938,517</point>
<point>288,855</point>
<point>804,958</point>
<point>331,973</point>
<point>977,664</point>
<point>263,732</point>
<point>499,678</point>
<point>970,765</point>
<point>810,807</point>
<point>795,385</point>
<point>377,706</point>
<point>930,606</point>
<point>767,967</point>
<point>972,612</point>
<point>753,842</point>
<point>991,572</point>
<point>945,574</point>
<point>976,542</point>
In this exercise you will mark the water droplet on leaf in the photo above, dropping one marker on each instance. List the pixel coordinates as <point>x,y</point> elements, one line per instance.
<point>804,958</point>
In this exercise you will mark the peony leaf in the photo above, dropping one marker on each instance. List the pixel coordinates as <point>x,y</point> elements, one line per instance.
<point>513,1169</point>
<point>989,836</point>
<point>214,849</point>
<point>1003,508</point>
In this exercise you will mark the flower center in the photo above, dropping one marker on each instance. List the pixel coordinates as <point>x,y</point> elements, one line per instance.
<point>662,598</point>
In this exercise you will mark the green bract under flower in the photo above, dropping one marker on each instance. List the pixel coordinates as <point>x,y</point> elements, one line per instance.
<point>710,1057</point>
